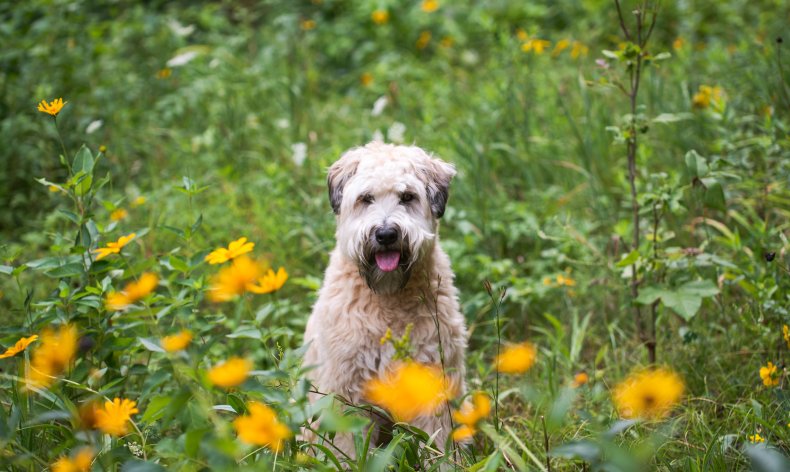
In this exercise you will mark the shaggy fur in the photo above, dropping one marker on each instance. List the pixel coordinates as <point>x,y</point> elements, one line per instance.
<point>373,187</point>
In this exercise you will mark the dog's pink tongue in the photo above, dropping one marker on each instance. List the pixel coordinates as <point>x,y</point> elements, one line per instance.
<point>387,260</point>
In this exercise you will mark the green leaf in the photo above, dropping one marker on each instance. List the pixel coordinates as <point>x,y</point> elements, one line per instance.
<point>156,408</point>
<point>134,465</point>
<point>332,420</point>
<point>629,259</point>
<point>696,165</point>
<point>665,118</point>
<point>150,345</point>
<point>684,300</point>
<point>72,269</point>
<point>7,270</point>
<point>83,161</point>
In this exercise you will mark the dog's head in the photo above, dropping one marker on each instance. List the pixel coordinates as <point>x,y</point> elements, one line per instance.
<point>388,200</point>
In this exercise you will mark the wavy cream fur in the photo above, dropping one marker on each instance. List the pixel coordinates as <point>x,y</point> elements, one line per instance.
<point>351,316</point>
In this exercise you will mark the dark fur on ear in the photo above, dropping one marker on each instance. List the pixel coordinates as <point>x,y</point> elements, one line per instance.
<point>439,174</point>
<point>339,174</point>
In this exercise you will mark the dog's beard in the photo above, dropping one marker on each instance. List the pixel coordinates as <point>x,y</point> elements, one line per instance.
<point>386,269</point>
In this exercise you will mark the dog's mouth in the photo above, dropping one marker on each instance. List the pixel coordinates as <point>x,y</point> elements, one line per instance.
<point>387,261</point>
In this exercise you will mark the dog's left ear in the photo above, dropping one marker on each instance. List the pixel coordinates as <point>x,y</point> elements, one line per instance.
<point>439,175</point>
<point>339,174</point>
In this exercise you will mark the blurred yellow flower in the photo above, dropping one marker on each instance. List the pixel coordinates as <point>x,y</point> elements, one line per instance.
<point>132,292</point>
<point>53,107</point>
<point>164,73</point>
<point>469,415</point>
<point>86,414</point>
<point>114,417</point>
<point>80,463</point>
<point>678,43</point>
<point>447,42</point>
<point>52,356</point>
<point>380,17</point>
<point>648,394</point>
<point>786,334</point>
<point>20,346</point>
<point>270,282</point>
<point>234,249</point>
<point>547,281</point>
<point>176,342</point>
<point>580,379</point>
<point>522,35</point>
<point>516,359</point>
<point>235,279</point>
<point>409,390</point>
<point>423,40</point>
<point>561,45</point>
<point>709,97</point>
<point>114,247</point>
<point>138,201</point>
<point>567,281</point>
<point>54,188</point>
<point>260,427</point>
<point>119,214</point>
<point>430,6</point>
<point>230,373</point>
<point>579,50</point>
<point>308,25</point>
<point>102,148</point>
<point>756,438</point>
<point>538,46</point>
<point>769,375</point>
<point>366,79</point>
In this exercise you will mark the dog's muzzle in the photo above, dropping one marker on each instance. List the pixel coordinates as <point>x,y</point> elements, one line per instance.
<point>387,257</point>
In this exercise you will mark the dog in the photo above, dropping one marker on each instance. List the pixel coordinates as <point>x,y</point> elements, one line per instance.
<point>386,271</point>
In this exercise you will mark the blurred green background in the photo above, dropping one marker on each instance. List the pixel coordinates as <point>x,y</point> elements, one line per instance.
<point>232,111</point>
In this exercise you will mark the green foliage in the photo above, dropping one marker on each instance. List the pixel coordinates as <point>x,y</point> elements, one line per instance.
<point>192,124</point>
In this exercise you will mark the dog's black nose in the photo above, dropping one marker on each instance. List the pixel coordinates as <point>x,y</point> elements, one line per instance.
<point>386,235</point>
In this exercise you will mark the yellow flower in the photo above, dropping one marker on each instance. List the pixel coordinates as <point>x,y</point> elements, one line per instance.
<point>469,415</point>
<point>86,414</point>
<point>580,379</point>
<point>648,394</point>
<point>430,6</point>
<point>567,281</point>
<point>536,45</point>
<point>769,375</point>
<point>114,247</point>
<point>138,201</point>
<point>20,346</point>
<point>410,390</point>
<point>307,25</point>
<point>708,96</point>
<point>786,334</point>
<point>230,373</point>
<point>560,46</point>
<point>176,342</point>
<point>119,214</point>
<point>522,35</point>
<point>678,43</point>
<point>579,50</point>
<point>447,42</point>
<point>366,79</point>
<point>756,438</point>
<point>164,73</point>
<point>52,356</point>
<point>114,417</point>
<point>270,282</point>
<point>234,249</point>
<point>80,463</point>
<point>516,359</point>
<point>132,292</point>
<point>54,188</point>
<point>380,17</point>
<point>423,40</point>
<point>234,279</point>
<point>53,107</point>
<point>260,427</point>
<point>102,149</point>
<point>547,281</point>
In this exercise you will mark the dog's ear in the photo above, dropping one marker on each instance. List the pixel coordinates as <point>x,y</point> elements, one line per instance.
<point>439,174</point>
<point>339,174</point>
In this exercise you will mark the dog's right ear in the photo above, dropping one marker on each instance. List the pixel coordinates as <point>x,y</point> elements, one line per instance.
<point>339,174</point>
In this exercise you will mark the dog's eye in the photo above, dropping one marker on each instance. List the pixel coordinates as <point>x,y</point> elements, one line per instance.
<point>407,197</point>
<point>366,198</point>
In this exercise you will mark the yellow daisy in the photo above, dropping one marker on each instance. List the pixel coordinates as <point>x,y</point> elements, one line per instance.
<point>410,390</point>
<point>53,107</point>
<point>114,247</point>
<point>20,346</point>
<point>648,394</point>
<point>114,417</point>
<point>260,427</point>
<point>230,373</point>
<point>516,359</point>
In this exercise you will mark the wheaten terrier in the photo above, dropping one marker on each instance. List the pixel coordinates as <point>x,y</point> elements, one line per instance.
<point>386,271</point>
